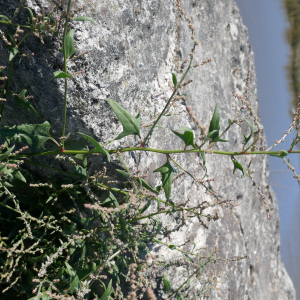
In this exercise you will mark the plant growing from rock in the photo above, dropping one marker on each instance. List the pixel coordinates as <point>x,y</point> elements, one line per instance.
<point>84,235</point>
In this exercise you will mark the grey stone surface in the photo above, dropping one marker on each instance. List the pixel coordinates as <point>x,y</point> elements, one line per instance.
<point>132,48</point>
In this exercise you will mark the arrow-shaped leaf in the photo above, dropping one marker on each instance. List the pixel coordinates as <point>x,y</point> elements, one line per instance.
<point>123,173</point>
<point>131,125</point>
<point>167,284</point>
<point>215,121</point>
<point>187,136</point>
<point>4,155</point>
<point>107,291</point>
<point>18,175</point>
<point>281,154</point>
<point>4,17</point>
<point>214,127</point>
<point>75,282</point>
<point>247,139</point>
<point>237,165</point>
<point>203,157</point>
<point>70,50</point>
<point>174,79</point>
<point>145,207</point>
<point>35,136</point>
<point>60,74</point>
<point>84,19</point>
<point>96,145</point>
<point>167,176</point>
<point>111,200</point>
<point>31,13</point>
<point>146,185</point>
<point>178,297</point>
<point>13,52</point>
<point>21,101</point>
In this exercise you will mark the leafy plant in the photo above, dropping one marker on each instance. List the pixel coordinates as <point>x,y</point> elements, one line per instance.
<point>84,235</point>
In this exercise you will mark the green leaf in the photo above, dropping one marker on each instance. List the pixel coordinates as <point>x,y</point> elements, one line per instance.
<point>214,123</point>
<point>145,207</point>
<point>229,122</point>
<point>85,222</point>
<point>237,165</point>
<point>131,125</point>
<point>174,79</point>
<point>96,145</point>
<point>123,224</point>
<point>84,19</point>
<point>159,226</point>
<point>107,291</point>
<point>70,50</point>
<point>31,13</point>
<point>21,101</point>
<point>146,185</point>
<point>43,296</point>
<point>4,17</point>
<point>111,199</point>
<point>12,53</point>
<point>80,171</point>
<point>74,280</point>
<point>188,258</point>
<point>187,136</point>
<point>178,296</point>
<point>167,284</point>
<point>18,175</point>
<point>203,157</point>
<point>167,175</point>
<point>34,136</point>
<point>172,247</point>
<point>4,155</point>
<point>251,133</point>
<point>123,173</point>
<point>214,126</point>
<point>60,74</point>
<point>281,154</point>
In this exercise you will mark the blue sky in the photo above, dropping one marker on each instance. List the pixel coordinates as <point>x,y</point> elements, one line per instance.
<point>266,22</point>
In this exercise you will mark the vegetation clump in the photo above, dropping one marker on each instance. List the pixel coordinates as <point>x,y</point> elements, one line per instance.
<point>84,235</point>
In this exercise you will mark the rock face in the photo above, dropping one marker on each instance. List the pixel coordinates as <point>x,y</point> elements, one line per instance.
<point>132,48</point>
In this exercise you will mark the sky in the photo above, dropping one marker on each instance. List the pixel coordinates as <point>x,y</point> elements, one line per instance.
<point>266,21</point>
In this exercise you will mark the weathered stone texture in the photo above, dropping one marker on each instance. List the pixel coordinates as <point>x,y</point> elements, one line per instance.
<point>132,48</point>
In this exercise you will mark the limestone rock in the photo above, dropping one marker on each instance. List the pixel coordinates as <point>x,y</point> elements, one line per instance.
<point>132,48</point>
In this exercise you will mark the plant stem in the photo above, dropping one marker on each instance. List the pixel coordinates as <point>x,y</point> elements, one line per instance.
<point>170,99</point>
<point>199,269</point>
<point>145,149</point>
<point>14,24</point>
<point>65,70</point>
<point>24,38</point>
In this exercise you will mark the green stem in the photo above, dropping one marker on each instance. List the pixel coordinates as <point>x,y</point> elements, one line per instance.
<point>65,70</point>
<point>113,189</point>
<point>170,99</point>
<point>14,24</point>
<point>145,149</point>
<point>199,269</point>
<point>24,38</point>
<point>103,264</point>
<point>173,160</point>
